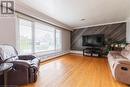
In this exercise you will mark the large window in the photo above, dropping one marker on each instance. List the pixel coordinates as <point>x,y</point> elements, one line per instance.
<point>58,40</point>
<point>37,37</point>
<point>25,33</point>
<point>44,37</point>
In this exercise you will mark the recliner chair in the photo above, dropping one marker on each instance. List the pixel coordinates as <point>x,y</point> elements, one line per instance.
<point>25,67</point>
<point>119,62</point>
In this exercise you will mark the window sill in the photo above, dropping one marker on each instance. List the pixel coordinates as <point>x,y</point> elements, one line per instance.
<point>44,53</point>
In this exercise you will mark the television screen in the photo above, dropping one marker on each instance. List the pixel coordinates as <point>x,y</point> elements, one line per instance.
<point>93,40</point>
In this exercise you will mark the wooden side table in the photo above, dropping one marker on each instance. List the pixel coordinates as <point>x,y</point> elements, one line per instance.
<point>4,68</point>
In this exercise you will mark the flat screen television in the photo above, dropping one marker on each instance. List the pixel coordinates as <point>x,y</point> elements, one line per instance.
<point>93,40</point>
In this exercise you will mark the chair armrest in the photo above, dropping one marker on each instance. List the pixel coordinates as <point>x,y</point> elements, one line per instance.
<point>122,71</point>
<point>26,57</point>
<point>123,61</point>
<point>20,64</point>
<point>120,62</point>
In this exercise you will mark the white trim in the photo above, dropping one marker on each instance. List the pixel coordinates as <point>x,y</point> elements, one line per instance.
<point>60,40</point>
<point>45,57</point>
<point>99,24</point>
<point>76,52</point>
<point>33,34</point>
<point>17,33</point>
<point>33,37</point>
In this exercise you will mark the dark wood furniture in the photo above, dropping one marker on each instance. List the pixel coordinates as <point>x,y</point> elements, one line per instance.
<point>93,50</point>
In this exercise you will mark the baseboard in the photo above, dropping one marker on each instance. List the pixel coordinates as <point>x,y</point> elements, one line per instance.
<point>61,54</point>
<point>76,52</point>
<point>45,58</point>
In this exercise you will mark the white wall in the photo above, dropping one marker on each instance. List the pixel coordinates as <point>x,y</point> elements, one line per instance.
<point>7,30</point>
<point>8,33</point>
<point>21,7</point>
<point>128,31</point>
<point>66,40</point>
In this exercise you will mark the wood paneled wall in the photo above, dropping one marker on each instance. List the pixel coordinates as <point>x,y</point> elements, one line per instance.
<point>112,32</point>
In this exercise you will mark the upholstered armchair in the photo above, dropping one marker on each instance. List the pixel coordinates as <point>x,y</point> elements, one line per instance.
<point>25,67</point>
<point>119,62</point>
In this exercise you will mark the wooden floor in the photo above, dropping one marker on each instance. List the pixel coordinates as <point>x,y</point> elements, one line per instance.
<point>76,71</point>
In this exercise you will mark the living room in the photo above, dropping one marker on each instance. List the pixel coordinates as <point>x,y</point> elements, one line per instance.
<point>64,43</point>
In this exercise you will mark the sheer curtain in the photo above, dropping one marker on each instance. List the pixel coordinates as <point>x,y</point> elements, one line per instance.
<point>38,37</point>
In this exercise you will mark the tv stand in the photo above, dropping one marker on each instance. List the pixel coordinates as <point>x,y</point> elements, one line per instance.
<point>93,50</point>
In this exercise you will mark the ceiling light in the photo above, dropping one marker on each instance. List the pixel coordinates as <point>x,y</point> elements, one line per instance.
<point>83,19</point>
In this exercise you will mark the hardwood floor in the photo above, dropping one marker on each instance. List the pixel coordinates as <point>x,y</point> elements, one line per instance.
<point>75,71</point>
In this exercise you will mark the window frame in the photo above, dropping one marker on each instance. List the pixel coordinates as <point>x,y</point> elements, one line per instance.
<point>60,40</point>
<point>18,33</point>
<point>54,39</point>
<point>33,36</point>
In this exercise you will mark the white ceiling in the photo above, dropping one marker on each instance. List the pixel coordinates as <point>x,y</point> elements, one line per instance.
<point>71,12</point>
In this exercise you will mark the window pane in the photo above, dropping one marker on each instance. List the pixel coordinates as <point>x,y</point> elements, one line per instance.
<point>58,40</point>
<point>25,36</point>
<point>44,37</point>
